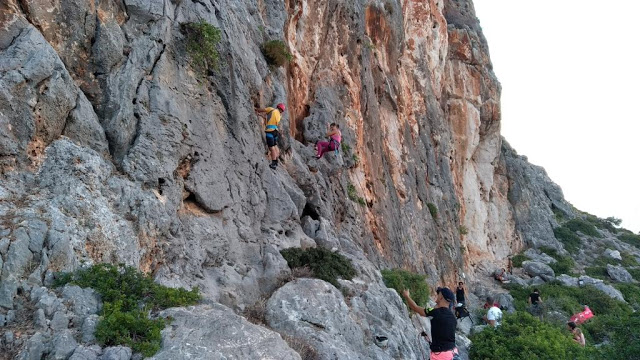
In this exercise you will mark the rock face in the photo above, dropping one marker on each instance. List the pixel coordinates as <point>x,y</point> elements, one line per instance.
<point>534,198</point>
<point>316,312</point>
<point>619,274</point>
<point>113,149</point>
<point>215,332</point>
<point>613,254</point>
<point>534,268</point>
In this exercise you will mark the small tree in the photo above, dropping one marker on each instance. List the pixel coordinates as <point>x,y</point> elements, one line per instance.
<point>614,220</point>
<point>202,39</point>
<point>276,53</point>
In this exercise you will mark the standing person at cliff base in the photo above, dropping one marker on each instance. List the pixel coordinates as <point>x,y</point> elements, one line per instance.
<point>460,294</point>
<point>272,117</point>
<point>535,300</point>
<point>335,137</point>
<point>443,324</point>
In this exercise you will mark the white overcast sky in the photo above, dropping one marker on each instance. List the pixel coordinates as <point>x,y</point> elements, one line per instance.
<point>570,75</point>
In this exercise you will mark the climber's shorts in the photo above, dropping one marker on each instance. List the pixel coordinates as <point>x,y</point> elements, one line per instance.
<point>272,138</point>
<point>444,355</point>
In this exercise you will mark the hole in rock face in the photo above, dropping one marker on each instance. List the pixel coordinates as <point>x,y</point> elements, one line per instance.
<point>310,211</point>
<point>288,233</point>
<point>161,181</point>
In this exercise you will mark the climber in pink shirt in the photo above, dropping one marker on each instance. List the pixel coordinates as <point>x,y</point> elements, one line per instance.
<point>335,137</point>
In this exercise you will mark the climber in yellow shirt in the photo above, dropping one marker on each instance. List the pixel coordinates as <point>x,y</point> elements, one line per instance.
<point>272,116</point>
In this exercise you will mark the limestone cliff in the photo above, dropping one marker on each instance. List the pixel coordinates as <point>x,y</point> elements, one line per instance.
<point>113,149</point>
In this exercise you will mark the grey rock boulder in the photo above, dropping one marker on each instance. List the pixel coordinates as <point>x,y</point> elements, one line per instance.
<point>60,320</point>
<point>215,332</point>
<point>605,288</point>
<point>86,353</point>
<point>619,274</point>
<point>535,268</point>
<point>35,347</point>
<point>39,320</point>
<point>539,256</point>
<point>89,328</point>
<point>613,254</point>
<point>505,300</point>
<point>8,290</point>
<point>82,302</point>
<point>41,93</point>
<point>116,353</point>
<point>463,344</point>
<point>63,345</point>
<point>315,311</point>
<point>567,280</point>
<point>536,281</point>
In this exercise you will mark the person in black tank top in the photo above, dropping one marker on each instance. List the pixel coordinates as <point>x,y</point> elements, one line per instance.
<point>443,323</point>
<point>460,293</point>
<point>534,297</point>
<point>535,300</point>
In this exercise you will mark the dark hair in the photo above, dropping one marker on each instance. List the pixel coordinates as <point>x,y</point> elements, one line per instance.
<point>460,283</point>
<point>572,325</point>
<point>336,125</point>
<point>536,290</point>
<point>490,300</point>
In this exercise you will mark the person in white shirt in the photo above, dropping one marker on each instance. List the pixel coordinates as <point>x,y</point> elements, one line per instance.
<point>494,315</point>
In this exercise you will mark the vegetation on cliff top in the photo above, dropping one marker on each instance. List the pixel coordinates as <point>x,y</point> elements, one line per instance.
<point>128,297</point>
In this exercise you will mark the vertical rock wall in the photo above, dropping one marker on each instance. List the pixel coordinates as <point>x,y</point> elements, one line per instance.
<point>409,82</point>
<point>113,149</point>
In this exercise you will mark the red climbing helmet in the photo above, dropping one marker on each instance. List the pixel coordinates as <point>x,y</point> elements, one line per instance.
<point>281,107</point>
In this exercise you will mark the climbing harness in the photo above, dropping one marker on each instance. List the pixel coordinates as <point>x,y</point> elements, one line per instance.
<point>336,145</point>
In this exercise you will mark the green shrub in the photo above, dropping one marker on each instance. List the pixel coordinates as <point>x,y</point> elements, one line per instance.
<point>202,39</point>
<point>345,147</point>
<point>583,226</point>
<point>570,300</point>
<point>521,336</point>
<point>628,260</point>
<point>517,260</point>
<point>433,210</point>
<point>597,272</point>
<point>619,335</point>
<point>276,53</point>
<point>558,214</point>
<point>563,264</point>
<point>630,238</point>
<point>635,273</point>
<point>570,240</point>
<point>399,279</point>
<point>127,296</point>
<point>353,195</point>
<point>602,223</point>
<point>325,264</point>
<point>631,293</point>
<point>131,328</point>
<point>463,230</point>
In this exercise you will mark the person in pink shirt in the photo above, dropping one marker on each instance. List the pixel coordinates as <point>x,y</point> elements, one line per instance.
<point>335,137</point>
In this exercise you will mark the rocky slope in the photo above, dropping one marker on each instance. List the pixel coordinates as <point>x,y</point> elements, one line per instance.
<point>112,149</point>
